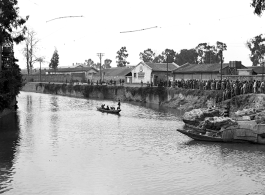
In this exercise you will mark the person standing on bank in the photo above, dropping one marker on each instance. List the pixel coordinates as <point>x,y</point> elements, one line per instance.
<point>119,105</point>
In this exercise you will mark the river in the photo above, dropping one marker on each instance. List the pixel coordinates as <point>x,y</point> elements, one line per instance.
<point>62,145</point>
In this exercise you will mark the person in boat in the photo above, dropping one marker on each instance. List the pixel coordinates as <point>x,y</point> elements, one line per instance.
<point>103,106</point>
<point>107,108</point>
<point>119,103</point>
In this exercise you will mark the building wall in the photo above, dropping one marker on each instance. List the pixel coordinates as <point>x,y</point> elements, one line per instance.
<point>198,76</point>
<point>90,74</point>
<point>108,78</point>
<point>162,75</point>
<point>245,72</point>
<point>243,77</point>
<point>141,73</point>
<point>47,78</point>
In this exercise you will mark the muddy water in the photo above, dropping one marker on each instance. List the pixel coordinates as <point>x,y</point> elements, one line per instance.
<point>62,145</point>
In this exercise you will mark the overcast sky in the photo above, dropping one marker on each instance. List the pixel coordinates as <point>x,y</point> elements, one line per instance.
<point>181,25</point>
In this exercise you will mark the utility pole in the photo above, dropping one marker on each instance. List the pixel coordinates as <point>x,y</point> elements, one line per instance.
<point>100,55</point>
<point>221,65</point>
<point>167,70</point>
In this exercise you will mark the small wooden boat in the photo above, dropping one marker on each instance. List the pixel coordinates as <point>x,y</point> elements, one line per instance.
<point>108,111</point>
<point>201,137</point>
<point>232,134</point>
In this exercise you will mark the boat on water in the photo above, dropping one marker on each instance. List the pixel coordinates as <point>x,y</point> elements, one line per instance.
<point>108,111</point>
<point>245,131</point>
<point>201,137</point>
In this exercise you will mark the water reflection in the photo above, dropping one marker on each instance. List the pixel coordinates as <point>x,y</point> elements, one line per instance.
<point>54,121</point>
<point>54,104</point>
<point>9,139</point>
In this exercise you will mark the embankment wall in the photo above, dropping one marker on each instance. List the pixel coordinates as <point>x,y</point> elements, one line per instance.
<point>170,97</point>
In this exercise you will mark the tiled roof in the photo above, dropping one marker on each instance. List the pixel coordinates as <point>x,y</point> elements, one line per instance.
<point>78,69</point>
<point>192,68</point>
<point>257,69</point>
<point>119,71</point>
<point>162,66</point>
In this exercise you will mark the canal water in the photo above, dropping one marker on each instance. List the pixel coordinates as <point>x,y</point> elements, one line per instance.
<point>62,145</point>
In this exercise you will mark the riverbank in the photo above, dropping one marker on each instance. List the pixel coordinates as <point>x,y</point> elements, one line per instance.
<point>177,98</point>
<point>183,99</point>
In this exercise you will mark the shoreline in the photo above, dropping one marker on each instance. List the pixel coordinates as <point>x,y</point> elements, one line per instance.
<point>174,98</point>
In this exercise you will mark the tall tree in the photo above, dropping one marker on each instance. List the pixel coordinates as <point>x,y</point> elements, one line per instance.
<point>170,55</point>
<point>121,57</point>
<point>147,56</point>
<point>220,47</point>
<point>12,25</point>
<point>256,46</point>
<point>12,30</point>
<point>159,58</point>
<point>106,64</point>
<point>167,55</point>
<point>259,6</point>
<point>186,56</point>
<point>55,60</point>
<point>89,62</point>
<point>207,54</point>
<point>29,51</point>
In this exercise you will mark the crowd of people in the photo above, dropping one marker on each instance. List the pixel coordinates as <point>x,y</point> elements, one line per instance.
<point>230,88</point>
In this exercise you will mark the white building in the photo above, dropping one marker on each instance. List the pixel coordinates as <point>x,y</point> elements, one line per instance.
<point>148,72</point>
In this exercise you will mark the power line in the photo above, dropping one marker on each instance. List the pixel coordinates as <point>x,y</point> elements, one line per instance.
<point>63,17</point>
<point>138,30</point>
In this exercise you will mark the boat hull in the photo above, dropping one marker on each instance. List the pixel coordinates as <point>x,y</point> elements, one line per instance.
<point>199,137</point>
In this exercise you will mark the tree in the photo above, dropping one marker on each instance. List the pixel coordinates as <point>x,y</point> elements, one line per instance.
<point>159,58</point>
<point>10,76</point>
<point>30,49</point>
<point>220,48</point>
<point>10,84</point>
<point>10,21</point>
<point>259,6</point>
<point>167,55</point>
<point>207,54</point>
<point>147,56</point>
<point>256,46</point>
<point>55,60</point>
<point>106,64</point>
<point>89,62</point>
<point>186,56</point>
<point>170,55</point>
<point>122,55</point>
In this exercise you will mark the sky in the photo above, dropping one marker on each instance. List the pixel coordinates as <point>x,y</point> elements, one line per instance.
<point>179,25</point>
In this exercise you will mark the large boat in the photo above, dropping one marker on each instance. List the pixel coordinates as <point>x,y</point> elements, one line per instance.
<point>108,111</point>
<point>245,131</point>
<point>201,137</point>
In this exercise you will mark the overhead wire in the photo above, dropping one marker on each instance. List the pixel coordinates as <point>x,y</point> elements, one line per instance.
<point>63,17</point>
<point>139,29</point>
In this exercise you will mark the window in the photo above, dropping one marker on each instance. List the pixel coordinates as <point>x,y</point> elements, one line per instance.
<point>134,75</point>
